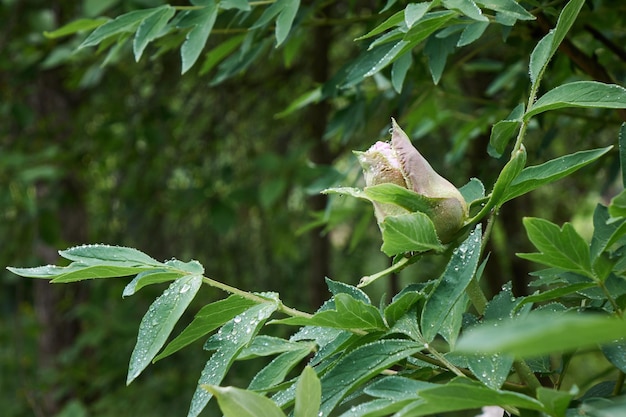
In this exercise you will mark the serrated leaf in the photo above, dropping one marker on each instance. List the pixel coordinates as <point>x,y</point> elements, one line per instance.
<point>235,402</point>
<point>209,318</point>
<point>263,345</point>
<point>349,313</point>
<point>449,288</point>
<point>154,276</point>
<point>192,267</point>
<point>127,22</point>
<point>198,35</point>
<point>542,333</point>
<point>285,19</point>
<point>615,352</point>
<point>308,394</point>
<point>400,305</point>
<point>275,372</point>
<point>409,232</point>
<point>360,365</point>
<point>503,131</point>
<point>580,94</point>
<point>230,340</point>
<point>535,176</point>
<point>555,402</point>
<point>561,248</point>
<point>78,25</point>
<point>159,321</point>
<point>150,28</point>
<point>338,287</point>
<point>547,46</point>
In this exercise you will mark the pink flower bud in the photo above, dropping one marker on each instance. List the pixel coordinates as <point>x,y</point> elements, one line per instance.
<point>400,163</point>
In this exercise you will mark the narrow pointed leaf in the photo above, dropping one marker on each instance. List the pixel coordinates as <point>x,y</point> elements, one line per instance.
<point>622,152</point>
<point>150,28</point>
<point>359,366</point>
<point>457,275</point>
<point>308,394</point>
<point>535,176</point>
<point>230,340</point>
<point>467,7</point>
<point>153,276</point>
<point>285,19</point>
<point>209,318</point>
<point>504,130</point>
<point>235,402</point>
<point>127,22</point>
<point>276,371</point>
<point>546,48</point>
<point>98,254</point>
<point>159,321</point>
<point>580,94</point>
<point>198,35</point>
<point>76,26</point>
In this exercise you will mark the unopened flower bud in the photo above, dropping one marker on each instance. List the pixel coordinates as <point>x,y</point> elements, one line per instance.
<point>400,163</point>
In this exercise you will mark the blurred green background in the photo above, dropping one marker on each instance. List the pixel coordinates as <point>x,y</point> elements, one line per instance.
<point>95,148</point>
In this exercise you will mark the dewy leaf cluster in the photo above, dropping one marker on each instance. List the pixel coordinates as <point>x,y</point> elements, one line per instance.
<point>439,345</point>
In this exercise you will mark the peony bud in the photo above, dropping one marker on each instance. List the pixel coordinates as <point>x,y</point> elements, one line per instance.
<point>400,163</point>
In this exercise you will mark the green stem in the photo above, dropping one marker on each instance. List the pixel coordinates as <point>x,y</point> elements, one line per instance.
<point>368,279</point>
<point>253,297</point>
<point>526,375</point>
<point>619,384</point>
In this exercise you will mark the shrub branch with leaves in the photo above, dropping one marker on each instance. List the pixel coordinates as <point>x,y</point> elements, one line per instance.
<point>438,346</point>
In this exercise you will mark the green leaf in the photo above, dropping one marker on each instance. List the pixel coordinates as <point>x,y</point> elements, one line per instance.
<point>204,20</point>
<point>504,130</point>
<point>397,388</point>
<point>267,346</point>
<point>235,4</point>
<point>395,20</point>
<point>77,271</point>
<point>472,32</point>
<point>463,394</point>
<point>580,94</point>
<point>413,12</point>
<point>556,293</point>
<point>349,313</point>
<point>159,321</point>
<point>150,28</point>
<point>300,102</point>
<point>209,318</point>
<point>229,340</point>
<point>561,248</point>
<point>394,194</point>
<point>617,208</point>
<point>615,352</point>
<point>360,365</point>
<point>509,8</point>
<point>541,334</point>
<point>399,70</point>
<point>622,152</point>
<point>555,402</point>
<point>449,288</point>
<point>308,394</point>
<point>124,23</point>
<point>466,7</point>
<point>76,26</point>
<point>276,371</point>
<point>99,254</point>
<point>236,402</point>
<point>437,50</point>
<point>409,232</point>
<point>338,287</point>
<point>153,276</point>
<point>547,46</point>
<point>473,190</point>
<point>221,51</point>
<point>538,175</point>
<point>285,20</point>
<point>400,305</point>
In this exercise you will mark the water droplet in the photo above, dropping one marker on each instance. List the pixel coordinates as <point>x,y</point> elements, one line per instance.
<point>184,288</point>
<point>237,319</point>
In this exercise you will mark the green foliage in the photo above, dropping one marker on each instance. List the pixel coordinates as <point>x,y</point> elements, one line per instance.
<point>439,345</point>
